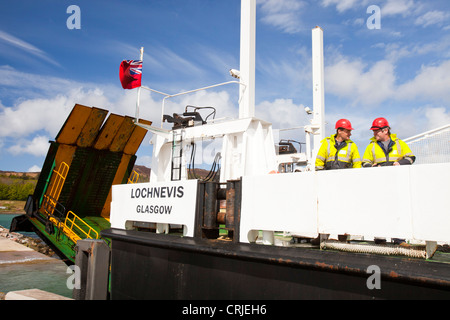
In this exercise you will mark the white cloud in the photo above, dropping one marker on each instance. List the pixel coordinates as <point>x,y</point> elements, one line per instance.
<point>35,168</point>
<point>372,84</point>
<point>431,82</point>
<point>358,22</point>
<point>36,147</point>
<point>22,85</point>
<point>362,85</point>
<point>33,122</point>
<point>437,117</point>
<point>432,18</point>
<point>287,115</point>
<point>418,120</point>
<point>343,5</point>
<point>282,113</point>
<point>440,47</point>
<point>397,51</point>
<point>395,7</point>
<point>282,14</point>
<point>31,115</point>
<point>25,46</point>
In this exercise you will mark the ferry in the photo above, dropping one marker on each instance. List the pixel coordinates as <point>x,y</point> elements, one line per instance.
<point>262,225</point>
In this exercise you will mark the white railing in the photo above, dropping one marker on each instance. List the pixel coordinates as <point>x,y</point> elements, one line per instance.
<point>432,146</point>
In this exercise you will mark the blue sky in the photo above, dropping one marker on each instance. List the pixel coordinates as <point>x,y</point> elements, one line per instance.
<point>400,71</point>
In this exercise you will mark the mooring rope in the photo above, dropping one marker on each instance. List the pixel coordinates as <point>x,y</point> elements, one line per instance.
<point>416,252</point>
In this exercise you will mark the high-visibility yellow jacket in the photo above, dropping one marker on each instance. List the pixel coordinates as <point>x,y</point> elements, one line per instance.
<point>331,157</point>
<point>397,151</point>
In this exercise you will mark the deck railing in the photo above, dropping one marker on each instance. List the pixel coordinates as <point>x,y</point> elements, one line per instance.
<point>74,226</point>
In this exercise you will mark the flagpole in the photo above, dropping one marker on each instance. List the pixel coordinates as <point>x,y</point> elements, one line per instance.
<point>139,90</point>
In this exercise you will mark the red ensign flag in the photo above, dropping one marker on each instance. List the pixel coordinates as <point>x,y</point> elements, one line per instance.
<point>130,73</point>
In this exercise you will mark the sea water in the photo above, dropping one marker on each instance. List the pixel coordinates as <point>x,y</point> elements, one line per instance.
<point>5,221</point>
<point>47,275</point>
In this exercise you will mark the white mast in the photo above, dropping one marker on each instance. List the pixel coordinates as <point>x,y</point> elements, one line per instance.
<point>247,59</point>
<point>138,100</point>
<point>318,121</point>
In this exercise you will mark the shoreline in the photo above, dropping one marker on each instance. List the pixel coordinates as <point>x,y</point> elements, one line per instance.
<point>18,249</point>
<point>12,207</point>
<point>22,254</point>
<point>12,212</point>
<point>36,244</point>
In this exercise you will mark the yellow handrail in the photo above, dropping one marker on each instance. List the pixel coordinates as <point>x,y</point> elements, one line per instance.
<point>57,185</point>
<point>72,220</point>
<point>134,177</point>
<point>73,223</point>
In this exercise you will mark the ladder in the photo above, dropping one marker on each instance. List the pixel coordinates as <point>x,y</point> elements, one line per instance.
<point>177,154</point>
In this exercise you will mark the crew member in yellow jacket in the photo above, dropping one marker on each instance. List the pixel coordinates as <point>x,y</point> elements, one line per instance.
<point>385,149</point>
<point>338,151</point>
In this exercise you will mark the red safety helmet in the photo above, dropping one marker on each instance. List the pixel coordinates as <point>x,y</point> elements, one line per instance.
<point>343,123</point>
<point>379,123</point>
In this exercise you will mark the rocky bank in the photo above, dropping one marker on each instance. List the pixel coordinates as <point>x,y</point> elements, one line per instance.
<point>32,243</point>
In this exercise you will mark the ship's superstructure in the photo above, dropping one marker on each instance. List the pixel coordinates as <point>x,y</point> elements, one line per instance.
<point>248,155</point>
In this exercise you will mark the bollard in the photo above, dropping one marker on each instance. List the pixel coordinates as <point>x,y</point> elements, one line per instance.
<point>92,259</point>
<point>210,213</point>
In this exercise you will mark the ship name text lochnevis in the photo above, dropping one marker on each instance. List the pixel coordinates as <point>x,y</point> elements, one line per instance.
<point>156,193</point>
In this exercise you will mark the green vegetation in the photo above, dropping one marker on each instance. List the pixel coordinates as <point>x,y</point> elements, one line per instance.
<point>16,187</point>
